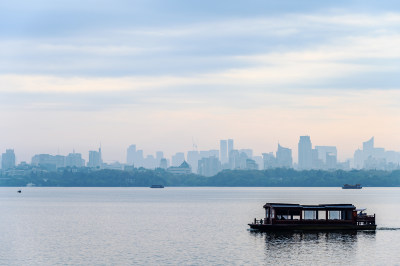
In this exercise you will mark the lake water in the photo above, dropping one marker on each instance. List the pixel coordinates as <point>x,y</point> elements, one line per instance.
<point>185,226</point>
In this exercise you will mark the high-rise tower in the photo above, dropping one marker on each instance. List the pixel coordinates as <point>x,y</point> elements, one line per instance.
<point>305,152</point>
<point>223,151</point>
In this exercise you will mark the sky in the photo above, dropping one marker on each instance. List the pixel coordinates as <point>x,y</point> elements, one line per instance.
<point>166,74</point>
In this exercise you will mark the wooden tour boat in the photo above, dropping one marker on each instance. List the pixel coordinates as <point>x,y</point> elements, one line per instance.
<point>282,216</point>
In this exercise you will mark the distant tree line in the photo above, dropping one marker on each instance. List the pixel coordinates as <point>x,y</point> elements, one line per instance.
<point>278,177</point>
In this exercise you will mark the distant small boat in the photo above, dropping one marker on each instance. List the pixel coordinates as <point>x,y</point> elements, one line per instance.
<point>156,186</point>
<point>19,191</point>
<point>356,186</point>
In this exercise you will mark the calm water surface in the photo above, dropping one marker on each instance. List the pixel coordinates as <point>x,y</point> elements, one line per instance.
<point>185,226</point>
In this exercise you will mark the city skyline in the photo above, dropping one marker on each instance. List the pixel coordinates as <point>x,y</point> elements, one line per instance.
<point>74,74</point>
<point>95,157</point>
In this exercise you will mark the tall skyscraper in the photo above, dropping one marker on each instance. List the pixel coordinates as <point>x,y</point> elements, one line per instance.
<point>138,160</point>
<point>223,151</point>
<point>368,148</point>
<point>284,157</point>
<point>95,160</point>
<point>193,158</point>
<point>8,159</point>
<point>305,153</point>
<point>130,154</point>
<point>230,146</point>
<point>159,156</point>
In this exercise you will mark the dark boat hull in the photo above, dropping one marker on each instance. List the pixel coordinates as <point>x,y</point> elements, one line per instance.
<point>311,227</point>
<point>156,186</point>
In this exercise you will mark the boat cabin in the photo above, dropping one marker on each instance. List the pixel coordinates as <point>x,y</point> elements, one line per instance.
<point>282,213</point>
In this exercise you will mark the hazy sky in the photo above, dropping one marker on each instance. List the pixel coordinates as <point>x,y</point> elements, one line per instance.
<point>161,73</point>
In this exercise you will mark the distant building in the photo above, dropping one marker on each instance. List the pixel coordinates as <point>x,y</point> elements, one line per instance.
<point>139,159</point>
<point>45,161</point>
<point>209,166</point>
<point>259,161</point>
<point>8,160</point>
<point>248,152</point>
<point>316,163</point>
<point>159,156</point>
<point>74,159</point>
<point>371,157</point>
<point>284,157</point>
<point>331,161</point>
<point>163,163</point>
<point>130,154</point>
<point>368,148</point>
<point>234,159</point>
<point>324,150</point>
<point>230,152</point>
<point>95,160</point>
<point>358,159</point>
<point>178,158</point>
<point>150,162</point>
<point>251,164</point>
<point>223,150</point>
<point>269,160</point>
<point>230,146</point>
<point>183,169</point>
<point>113,166</point>
<point>193,158</point>
<point>134,157</point>
<point>305,153</point>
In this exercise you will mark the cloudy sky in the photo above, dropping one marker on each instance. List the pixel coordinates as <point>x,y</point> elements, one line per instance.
<point>161,74</point>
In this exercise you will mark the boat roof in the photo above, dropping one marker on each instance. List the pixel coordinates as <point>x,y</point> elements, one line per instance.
<point>319,206</point>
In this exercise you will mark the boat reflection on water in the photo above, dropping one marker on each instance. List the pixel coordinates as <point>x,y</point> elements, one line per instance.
<point>320,248</point>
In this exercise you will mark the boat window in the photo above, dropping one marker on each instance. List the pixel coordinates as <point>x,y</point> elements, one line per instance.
<point>346,215</point>
<point>321,215</point>
<point>334,215</point>
<point>309,215</point>
<point>296,217</point>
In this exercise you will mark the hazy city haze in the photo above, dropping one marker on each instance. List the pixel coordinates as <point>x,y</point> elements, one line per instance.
<point>165,74</point>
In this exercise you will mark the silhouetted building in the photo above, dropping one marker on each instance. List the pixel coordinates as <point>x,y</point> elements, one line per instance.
<point>368,148</point>
<point>193,158</point>
<point>150,162</point>
<point>331,161</point>
<point>8,159</point>
<point>183,169</point>
<point>130,154</point>
<point>284,157</point>
<point>223,150</point>
<point>324,150</point>
<point>251,164</point>
<point>305,153</point>
<point>269,160</point>
<point>178,158</point>
<point>48,162</point>
<point>234,159</point>
<point>358,159</point>
<point>95,160</point>
<point>139,159</point>
<point>159,156</point>
<point>74,159</point>
<point>163,163</point>
<point>209,166</point>
<point>248,152</point>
